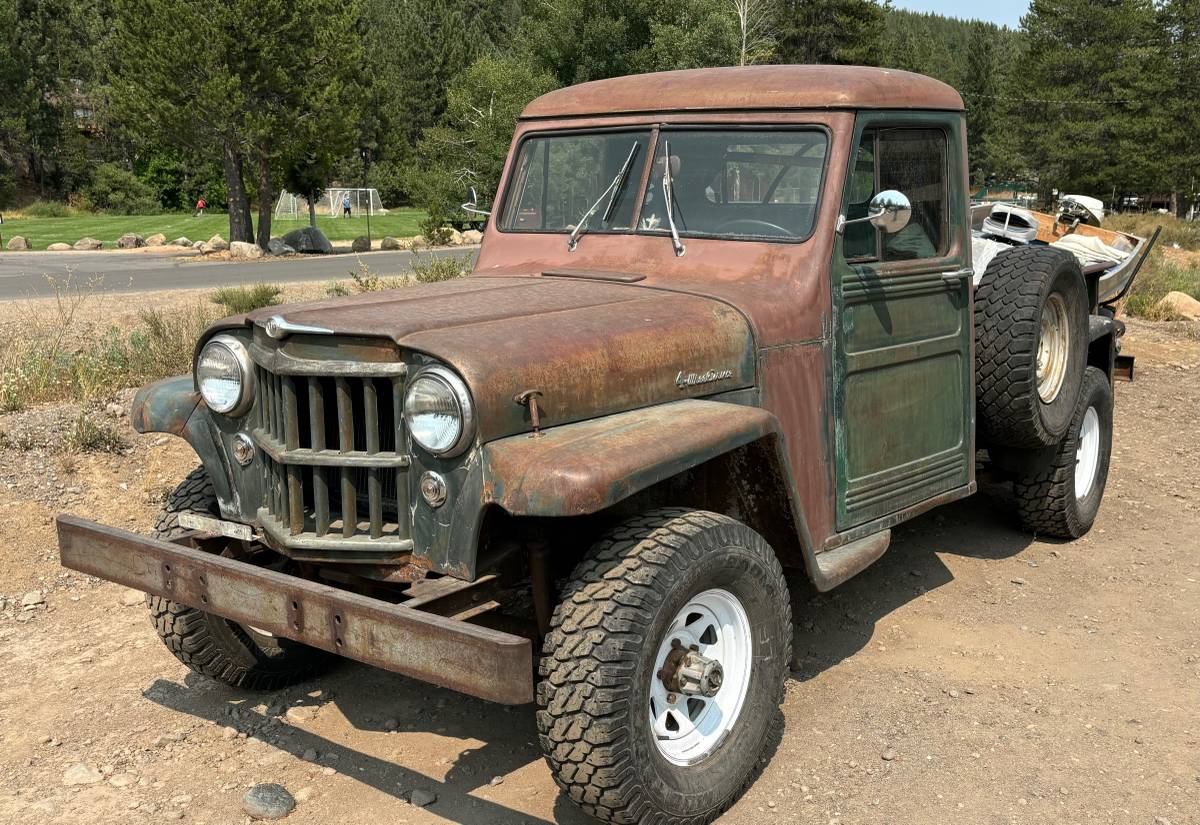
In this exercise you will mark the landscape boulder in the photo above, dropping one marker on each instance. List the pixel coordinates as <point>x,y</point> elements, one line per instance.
<point>456,238</point>
<point>202,248</point>
<point>17,244</point>
<point>156,240</point>
<point>217,244</point>
<point>245,251</point>
<point>472,236</point>
<point>1181,304</point>
<point>130,240</point>
<point>180,241</point>
<point>88,244</point>
<point>58,247</point>
<point>276,246</point>
<point>360,244</point>
<point>395,243</point>
<point>308,239</point>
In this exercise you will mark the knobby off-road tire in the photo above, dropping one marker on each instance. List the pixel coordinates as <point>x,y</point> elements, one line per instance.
<point>1063,498</point>
<point>213,646</point>
<point>622,606</point>
<point>1019,290</point>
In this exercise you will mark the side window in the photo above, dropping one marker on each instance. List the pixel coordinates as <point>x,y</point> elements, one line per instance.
<point>912,161</point>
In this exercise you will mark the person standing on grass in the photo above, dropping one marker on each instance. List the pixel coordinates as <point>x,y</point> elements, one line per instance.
<point>345,204</point>
<point>200,204</point>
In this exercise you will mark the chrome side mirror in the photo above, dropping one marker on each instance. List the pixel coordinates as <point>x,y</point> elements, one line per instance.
<point>471,207</point>
<point>889,210</point>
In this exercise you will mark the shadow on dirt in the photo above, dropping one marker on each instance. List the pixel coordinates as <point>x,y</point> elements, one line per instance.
<point>833,626</point>
<point>483,740</point>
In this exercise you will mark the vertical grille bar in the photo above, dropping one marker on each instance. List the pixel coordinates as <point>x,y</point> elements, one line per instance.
<point>345,407</point>
<point>316,418</point>
<point>374,488</point>
<point>291,440</point>
<point>401,446</point>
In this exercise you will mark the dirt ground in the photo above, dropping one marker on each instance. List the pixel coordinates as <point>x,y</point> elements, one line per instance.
<point>974,675</point>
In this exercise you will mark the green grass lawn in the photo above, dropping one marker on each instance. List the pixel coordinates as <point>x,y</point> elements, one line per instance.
<point>41,232</point>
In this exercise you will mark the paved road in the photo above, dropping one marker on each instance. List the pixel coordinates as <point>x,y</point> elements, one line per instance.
<point>23,274</point>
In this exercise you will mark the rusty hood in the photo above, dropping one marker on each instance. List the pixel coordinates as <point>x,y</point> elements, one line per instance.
<point>590,347</point>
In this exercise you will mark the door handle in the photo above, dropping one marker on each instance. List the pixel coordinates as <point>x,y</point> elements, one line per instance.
<point>958,275</point>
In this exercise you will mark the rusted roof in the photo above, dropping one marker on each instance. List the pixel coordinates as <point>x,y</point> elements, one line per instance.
<point>749,87</point>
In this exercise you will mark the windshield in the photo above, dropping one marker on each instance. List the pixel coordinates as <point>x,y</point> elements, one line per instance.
<point>738,184</point>
<point>557,179</point>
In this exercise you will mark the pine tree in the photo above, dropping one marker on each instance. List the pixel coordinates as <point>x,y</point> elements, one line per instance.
<point>848,32</point>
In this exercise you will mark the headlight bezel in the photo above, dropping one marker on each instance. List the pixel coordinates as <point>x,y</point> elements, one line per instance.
<point>241,355</point>
<point>462,397</point>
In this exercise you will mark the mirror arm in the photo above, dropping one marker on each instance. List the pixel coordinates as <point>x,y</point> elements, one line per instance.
<point>843,221</point>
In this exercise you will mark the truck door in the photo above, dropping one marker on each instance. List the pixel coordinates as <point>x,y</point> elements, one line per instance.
<point>903,389</point>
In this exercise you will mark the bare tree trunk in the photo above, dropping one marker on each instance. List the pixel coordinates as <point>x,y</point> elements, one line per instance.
<point>312,209</point>
<point>265,199</point>
<point>240,227</point>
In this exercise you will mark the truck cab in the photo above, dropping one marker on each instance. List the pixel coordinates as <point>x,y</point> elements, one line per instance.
<point>723,323</point>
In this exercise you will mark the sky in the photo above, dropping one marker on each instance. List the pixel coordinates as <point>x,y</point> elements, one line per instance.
<point>1005,12</point>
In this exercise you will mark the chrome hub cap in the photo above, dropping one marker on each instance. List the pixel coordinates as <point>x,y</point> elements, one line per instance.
<point>1087,453</point>
<point>701,676</point>
<point>1053,348</point>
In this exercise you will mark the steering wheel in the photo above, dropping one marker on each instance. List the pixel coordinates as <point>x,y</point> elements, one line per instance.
<point>776,229</point>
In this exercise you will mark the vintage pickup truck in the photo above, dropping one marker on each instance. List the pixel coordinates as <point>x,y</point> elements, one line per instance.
<point>722,324</point>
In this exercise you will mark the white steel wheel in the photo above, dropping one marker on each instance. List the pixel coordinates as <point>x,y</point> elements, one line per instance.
<point>1054,344</point>
<point>1087,453</point>
<point>687,724</point>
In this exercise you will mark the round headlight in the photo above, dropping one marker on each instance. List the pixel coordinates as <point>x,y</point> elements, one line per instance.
<point>223,375</point>
<point>437,411</point>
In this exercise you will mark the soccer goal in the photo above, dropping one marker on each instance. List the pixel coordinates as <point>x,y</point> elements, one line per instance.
<point>290,206</point>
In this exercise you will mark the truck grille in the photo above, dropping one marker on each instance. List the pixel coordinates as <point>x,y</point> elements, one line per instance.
<point>335,474</point>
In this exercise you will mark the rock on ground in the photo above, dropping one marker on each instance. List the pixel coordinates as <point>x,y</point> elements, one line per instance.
<point>81,774</point>
<point>456,238</point>
<point>181,241</point>
<point>472,236</point>
<point>277,247</point>
<point>421,797</point>
<point>130,240</point>
<point>217,244</point>
<point>87,244</point>
<point>395,243</point>
<point>243,250</point>
<point>158,239</point>
<point>1180,303</point>
<point>18,243</point>
<point>268,801</point>
<point>360,244</point>
<point>202,248</point>
<point>58,247</point>
<point>308,239</point>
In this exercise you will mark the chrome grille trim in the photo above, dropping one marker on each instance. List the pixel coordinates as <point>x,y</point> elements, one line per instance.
<point>334,474</point>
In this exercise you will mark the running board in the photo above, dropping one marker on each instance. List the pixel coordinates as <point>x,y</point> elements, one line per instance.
<point>831,568</point>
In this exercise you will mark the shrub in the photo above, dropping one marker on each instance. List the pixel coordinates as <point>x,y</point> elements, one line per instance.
<point>432,269</point>
<point>1185,234</point>
<point>367,280</point>
<point>90,436</point>
<point>47,209</point>
<point>434,228</point>
<point>120,192</point>
<point>241,299</point>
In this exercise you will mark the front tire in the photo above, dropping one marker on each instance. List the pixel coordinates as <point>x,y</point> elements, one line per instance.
<point>633,727</point>
<point>214,646</point>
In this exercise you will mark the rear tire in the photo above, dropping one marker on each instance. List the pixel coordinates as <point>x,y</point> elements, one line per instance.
<point>1031,338</point>
<point>214,646</point>
<point>620,742</point>
<point>1063,498</point>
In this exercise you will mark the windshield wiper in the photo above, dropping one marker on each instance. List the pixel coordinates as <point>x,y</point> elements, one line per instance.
<point>668,189</point>
<point>611,191</point>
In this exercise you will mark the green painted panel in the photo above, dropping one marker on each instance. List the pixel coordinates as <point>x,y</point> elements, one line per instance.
<point>901,320</point>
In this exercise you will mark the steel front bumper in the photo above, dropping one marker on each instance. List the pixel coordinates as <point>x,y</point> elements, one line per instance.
<point>475,660</point>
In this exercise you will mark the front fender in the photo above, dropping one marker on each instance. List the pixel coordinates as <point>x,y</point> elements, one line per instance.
<point>173,406</point>
<point>583,468</point>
